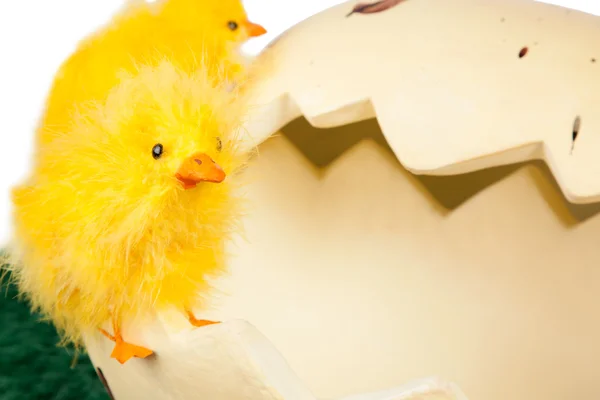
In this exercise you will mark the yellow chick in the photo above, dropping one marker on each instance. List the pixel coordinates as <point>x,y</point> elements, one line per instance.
<point>187,32</point>
<point>127,211</point>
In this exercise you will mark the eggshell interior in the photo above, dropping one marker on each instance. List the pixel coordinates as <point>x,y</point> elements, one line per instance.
<point>365,276</point>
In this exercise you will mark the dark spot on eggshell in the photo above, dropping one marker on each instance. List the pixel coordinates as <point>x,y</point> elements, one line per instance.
<point>593,60</point>
<point>575,131</point>
<point>523,52</point>
<point>502,19</point>
<point>105,383</point>
<point>374,8</point>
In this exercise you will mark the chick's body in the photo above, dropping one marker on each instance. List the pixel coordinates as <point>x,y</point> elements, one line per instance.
<point>187,33</point>
<point>126,213</point>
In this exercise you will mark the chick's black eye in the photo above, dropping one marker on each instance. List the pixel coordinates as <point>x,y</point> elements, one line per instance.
<point>232,25</point>
<point>219,144</point>
<point>157,151</point>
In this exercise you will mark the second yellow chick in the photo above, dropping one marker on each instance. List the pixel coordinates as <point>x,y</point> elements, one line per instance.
<point>187,33</point>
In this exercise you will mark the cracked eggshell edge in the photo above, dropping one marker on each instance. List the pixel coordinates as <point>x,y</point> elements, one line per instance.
<point>455,86</point>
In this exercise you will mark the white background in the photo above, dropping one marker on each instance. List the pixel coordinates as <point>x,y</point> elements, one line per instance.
<point>37,35</point>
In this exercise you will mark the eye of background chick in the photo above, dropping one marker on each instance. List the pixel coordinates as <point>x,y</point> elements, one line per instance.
<point>232,25</point>
<point>157,151</point>
<point>219,144</point>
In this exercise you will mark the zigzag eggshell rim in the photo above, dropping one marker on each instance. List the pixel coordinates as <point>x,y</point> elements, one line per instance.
<point>455,86</point>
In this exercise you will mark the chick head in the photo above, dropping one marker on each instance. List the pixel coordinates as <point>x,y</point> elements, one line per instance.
<point>224,20</point>
<point>155,158</point>
<point>230,14</point>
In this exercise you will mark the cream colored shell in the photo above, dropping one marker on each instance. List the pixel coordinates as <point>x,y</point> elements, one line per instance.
<point>447,85</point>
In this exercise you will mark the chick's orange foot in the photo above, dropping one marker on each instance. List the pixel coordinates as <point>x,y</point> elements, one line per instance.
<point>124,351</point>
<point>199,322</point>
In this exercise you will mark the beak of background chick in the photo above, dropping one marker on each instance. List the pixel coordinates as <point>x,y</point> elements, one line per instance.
<point>199,168</point>
<point>254,30</point>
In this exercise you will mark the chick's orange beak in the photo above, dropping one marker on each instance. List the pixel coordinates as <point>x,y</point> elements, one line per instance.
<point>199,168</point>
<point>254,30</point>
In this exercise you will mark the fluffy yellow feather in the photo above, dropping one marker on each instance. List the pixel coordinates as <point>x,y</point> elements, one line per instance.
<point>126,211</point>
<point>187,32</point>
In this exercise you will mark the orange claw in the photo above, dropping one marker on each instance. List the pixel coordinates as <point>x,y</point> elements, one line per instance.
<point>124,351</point>
<point>199,322</point>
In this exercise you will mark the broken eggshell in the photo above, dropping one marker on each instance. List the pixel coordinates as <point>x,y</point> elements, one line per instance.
<point>352,267</point>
